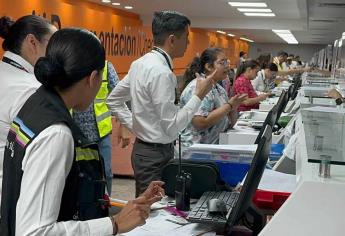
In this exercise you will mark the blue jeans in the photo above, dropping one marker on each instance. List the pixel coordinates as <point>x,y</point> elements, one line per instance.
<point>104,145</point>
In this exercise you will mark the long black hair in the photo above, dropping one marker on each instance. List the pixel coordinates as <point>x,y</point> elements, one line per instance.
<point>208,56</point>
<point>250,63</point>
<point>71,54</point>
<point>14,33</point>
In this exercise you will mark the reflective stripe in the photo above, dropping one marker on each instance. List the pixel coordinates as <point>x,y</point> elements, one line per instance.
<point>102,113</point>
<point>86,154</point>
<point>100,100</point>
<point>103,116</point>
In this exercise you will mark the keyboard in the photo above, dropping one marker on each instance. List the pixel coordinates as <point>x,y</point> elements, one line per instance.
<point>200,214</point>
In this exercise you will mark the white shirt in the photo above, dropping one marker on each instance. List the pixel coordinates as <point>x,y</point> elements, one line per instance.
<point>46,164</point>
<point>259,82</point>
<point>16,86</point>
<point>150,85</point>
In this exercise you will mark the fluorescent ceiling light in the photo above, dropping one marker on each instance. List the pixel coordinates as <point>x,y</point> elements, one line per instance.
<point>247,4</point>
<point>128,7</point>
<point>286,35</point>
<point>106,1</point>
<point>259,14</point>
<point>281,31</point>
<point>221,32</point>
<point>254,9</point>
<point>231,35</point>
<point>116,3</point>
<point>245,39</point>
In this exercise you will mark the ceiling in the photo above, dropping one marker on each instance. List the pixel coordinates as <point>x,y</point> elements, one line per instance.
<point>310,21</point>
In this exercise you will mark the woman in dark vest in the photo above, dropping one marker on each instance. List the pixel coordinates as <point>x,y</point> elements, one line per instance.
<point>53,176</point>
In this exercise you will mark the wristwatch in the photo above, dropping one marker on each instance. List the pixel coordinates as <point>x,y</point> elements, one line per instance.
<point>339,101</point>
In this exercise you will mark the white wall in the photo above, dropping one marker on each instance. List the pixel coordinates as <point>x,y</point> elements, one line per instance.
<point>305,51</point>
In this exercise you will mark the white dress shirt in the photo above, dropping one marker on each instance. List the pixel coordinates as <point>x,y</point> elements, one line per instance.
<point>46,164</point>
<point>150,85</point>
<point>16,86</point>
<point>259,82</point>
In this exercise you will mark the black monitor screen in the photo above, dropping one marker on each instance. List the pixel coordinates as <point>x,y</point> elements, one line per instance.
<point>271,120</point>
<point>281,104</point>
<point>252,180</point>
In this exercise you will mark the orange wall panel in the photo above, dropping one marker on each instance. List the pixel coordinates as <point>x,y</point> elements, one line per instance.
<point>122,33</point>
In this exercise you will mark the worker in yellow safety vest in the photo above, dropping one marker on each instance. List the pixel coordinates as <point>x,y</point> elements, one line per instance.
<point>96,123</point>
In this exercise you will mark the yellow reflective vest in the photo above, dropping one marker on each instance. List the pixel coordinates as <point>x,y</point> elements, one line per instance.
<point>102,113</point>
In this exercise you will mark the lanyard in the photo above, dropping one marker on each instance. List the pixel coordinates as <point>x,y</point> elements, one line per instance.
<point>13,63</point>
<point>160,51</point>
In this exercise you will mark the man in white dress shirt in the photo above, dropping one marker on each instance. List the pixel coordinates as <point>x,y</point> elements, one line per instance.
<point>265,79</point>
<point>150,85</point>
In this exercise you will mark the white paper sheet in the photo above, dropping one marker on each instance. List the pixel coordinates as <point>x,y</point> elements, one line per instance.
<point>217,147</point>
<point>277,182</point>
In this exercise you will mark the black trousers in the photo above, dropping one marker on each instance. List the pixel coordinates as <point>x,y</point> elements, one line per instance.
<point>148,160</point>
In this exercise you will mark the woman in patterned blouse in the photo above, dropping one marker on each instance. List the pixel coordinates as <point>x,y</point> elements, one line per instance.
<point>245,73</point>
<point>217,112</point>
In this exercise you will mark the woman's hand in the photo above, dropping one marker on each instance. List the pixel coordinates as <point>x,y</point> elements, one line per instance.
<point>154,192</point>
<point>264,96</point>
<point>333,93</point>
<point>137,211</point>
<point>133,214</point>
<point>237,100</point>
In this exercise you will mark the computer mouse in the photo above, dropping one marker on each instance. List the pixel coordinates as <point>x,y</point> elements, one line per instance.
<point>216,206</point>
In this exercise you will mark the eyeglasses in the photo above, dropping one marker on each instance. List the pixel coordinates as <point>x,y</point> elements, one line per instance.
<point>223,62</point>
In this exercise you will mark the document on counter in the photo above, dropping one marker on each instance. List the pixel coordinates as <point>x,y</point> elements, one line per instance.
<point>162,222</point>
<point>275,181</point>
<point>223,147</point>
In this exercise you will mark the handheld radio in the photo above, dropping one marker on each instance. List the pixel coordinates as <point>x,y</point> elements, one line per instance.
<point>183,185</point>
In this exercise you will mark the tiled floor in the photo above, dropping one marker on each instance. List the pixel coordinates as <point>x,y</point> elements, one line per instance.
<point>123,188</point>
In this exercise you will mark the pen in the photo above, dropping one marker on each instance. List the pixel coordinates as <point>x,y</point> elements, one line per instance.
<point>117,204</point>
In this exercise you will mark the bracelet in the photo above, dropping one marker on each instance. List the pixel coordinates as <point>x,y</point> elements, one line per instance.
<point>115,226</point>
<point>231,107</point>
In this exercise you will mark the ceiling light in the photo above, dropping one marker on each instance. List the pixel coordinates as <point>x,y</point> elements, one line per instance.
<point>254,9</point>
<point>281,31</point>
<point>221,32</point>
<point>128,7</point>
<point>259,14</point>
<point>247,4</point>
<point>106,1</point>
<point>248,40</point>
<point>231,35</point>
<point>286,35</point>
<point>116,3</point>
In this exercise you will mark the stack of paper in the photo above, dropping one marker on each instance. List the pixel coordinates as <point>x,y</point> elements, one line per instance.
<point>230,153</point>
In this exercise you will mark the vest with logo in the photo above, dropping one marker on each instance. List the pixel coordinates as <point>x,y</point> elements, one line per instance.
<point>85,185</point>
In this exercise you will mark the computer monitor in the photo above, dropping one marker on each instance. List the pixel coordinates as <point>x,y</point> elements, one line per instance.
<point>296,85</point>
<point>291,90</point>
<point>282,102</point>
<point>271,120</point>
<point>252,180</point>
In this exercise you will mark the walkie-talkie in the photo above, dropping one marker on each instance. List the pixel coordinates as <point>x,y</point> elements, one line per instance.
<point>183,184</point>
